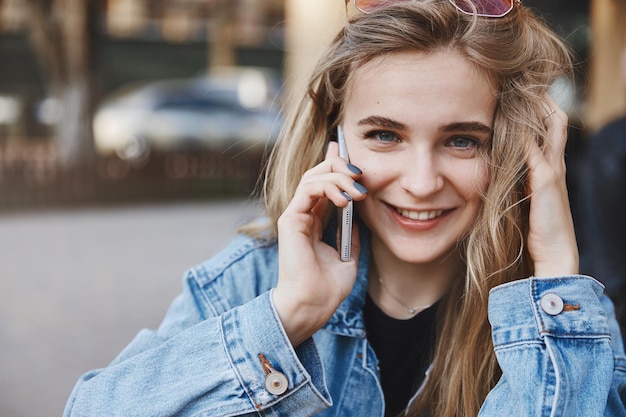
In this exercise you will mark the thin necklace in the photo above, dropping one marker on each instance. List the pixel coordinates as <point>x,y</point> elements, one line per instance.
<point>411,310</point>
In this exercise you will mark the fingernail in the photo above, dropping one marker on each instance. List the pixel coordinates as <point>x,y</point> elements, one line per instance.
<point>360,188</point>
<point>346,195</point>
<point>354,169</point>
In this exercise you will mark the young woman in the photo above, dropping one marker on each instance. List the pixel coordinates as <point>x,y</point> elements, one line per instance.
<point>462,296</point>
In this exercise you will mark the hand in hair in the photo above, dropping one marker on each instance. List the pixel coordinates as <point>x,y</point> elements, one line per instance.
<point>312,280</point>
<point>551,239</point>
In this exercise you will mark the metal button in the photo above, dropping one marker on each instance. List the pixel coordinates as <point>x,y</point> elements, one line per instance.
<point>552,304</point>
<point>276,383</point>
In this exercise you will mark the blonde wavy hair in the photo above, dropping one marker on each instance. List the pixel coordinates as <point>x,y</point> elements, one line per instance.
<point>522,57</point>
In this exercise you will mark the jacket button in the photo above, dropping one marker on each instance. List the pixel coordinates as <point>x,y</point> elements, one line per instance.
<point>552,304</point>
<point>276,383</point>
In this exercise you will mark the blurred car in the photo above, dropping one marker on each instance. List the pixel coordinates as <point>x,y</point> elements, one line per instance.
<point>228,109</point>
<point>9,109</point>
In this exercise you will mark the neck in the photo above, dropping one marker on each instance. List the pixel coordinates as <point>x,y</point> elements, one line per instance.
<point>399,287</point>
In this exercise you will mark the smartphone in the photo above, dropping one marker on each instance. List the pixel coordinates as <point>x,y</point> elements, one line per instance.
<point>346,212</point>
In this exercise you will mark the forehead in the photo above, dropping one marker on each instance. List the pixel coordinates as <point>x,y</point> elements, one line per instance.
<point>444,81</point>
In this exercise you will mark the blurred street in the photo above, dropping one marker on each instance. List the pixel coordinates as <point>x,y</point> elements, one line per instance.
<point>77,285</point>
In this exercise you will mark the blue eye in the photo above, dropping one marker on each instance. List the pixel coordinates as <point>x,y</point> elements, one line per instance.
<point>463,142</point>
<point>387,137</point>
<point>383,136</point>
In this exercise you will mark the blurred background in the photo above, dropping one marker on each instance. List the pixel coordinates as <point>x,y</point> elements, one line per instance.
<point>104,100</point>
<point>132,134</point>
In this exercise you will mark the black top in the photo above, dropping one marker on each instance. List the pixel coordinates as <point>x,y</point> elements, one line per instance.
<point>404,350</point>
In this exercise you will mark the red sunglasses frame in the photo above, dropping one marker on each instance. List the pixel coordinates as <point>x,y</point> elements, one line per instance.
<point>464,6</point>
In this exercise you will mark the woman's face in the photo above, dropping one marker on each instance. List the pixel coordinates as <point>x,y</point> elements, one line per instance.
<point>415,123</point>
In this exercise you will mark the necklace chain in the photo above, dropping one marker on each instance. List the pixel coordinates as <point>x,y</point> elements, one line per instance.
<point>410,310</point>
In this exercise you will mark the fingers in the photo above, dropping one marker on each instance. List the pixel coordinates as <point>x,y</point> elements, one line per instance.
<point>555,121</point>
<point>333,179</point>
<point>549,160</point>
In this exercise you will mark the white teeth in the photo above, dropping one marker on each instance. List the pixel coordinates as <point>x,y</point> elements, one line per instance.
<point>419,215</point>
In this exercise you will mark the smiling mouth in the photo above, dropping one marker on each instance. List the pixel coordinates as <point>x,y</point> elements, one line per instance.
<point>419,215</point>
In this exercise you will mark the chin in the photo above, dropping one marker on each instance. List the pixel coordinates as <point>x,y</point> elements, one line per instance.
<point>421,254</point>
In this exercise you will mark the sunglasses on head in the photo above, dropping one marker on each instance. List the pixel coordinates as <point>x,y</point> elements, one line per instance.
<point>484,8</point>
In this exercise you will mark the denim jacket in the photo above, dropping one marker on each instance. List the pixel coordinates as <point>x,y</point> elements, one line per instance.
<point>221,351</point>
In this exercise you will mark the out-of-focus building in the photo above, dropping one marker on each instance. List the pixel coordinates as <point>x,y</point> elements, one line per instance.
<point>606,99</point>
<point>184,20</point>
<point>174,20</point>
<point>137,40</point>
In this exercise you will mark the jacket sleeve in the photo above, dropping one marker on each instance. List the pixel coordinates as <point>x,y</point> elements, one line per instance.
<point>206,366</point>
<point>553,342</point>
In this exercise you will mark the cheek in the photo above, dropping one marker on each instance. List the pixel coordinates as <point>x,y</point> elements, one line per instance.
<point>474,186</point>
<point>375,170</point>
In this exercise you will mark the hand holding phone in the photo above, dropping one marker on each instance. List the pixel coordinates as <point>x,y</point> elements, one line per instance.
<point>346,212</point>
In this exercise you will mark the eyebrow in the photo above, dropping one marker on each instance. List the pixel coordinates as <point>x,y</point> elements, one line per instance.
<point>467,127</point>
<point>386,122</point>
<point>382,122</point>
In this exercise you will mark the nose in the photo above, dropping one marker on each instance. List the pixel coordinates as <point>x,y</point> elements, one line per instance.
<point>421,174</point>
